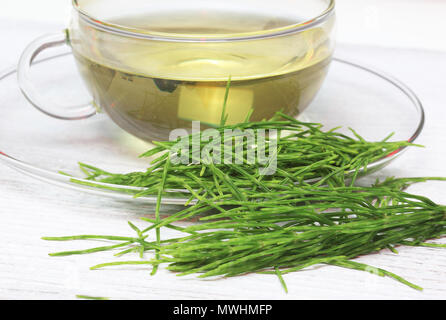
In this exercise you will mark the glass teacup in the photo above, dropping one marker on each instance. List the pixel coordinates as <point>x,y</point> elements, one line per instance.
<point>157,66</point>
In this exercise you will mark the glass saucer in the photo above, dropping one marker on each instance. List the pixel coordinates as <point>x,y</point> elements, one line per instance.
<point>372,103</point>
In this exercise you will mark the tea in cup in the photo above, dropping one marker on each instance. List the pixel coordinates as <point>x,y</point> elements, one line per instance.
<point>155,67</point>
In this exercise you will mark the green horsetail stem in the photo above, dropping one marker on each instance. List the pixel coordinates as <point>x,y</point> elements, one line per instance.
<point>309,212</point>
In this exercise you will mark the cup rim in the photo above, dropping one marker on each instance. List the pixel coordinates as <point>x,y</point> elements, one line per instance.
<point>161,36</point>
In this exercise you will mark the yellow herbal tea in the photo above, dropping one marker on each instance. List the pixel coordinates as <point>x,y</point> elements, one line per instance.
<point>152,88</point>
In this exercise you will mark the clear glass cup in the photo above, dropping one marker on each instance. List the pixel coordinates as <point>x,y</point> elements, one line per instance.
<point>156,66</point>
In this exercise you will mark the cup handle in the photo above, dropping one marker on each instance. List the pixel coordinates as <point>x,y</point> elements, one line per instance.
<point>31,93</point>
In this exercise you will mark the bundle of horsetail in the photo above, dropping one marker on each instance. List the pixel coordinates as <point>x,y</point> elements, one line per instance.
<point>307,211</point>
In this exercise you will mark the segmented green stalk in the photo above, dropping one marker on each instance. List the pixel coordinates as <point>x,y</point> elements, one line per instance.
<point>308,212</point>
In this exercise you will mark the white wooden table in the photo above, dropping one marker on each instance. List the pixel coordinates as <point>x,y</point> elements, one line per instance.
<point>30,209</point>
